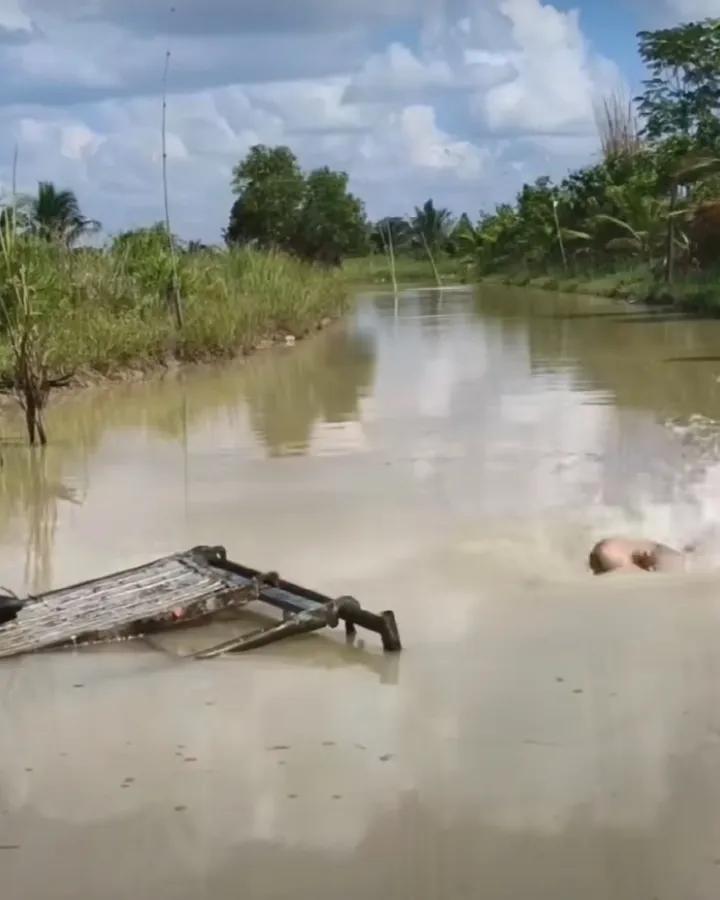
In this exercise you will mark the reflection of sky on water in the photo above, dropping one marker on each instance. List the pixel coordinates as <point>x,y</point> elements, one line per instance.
<point>497,418</point>
<point>498,435</point>
<point>570,723</point>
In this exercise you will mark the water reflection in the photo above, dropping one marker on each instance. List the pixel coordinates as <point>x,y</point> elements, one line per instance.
<point>451,411</point>
<point>634,353</point>
<point>485,442</point>
<point>313,383</point>
<point>625,358</point>
<point>31,492</point>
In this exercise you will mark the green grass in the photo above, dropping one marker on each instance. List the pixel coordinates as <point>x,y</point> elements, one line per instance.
<point>629,283</point>
<point>696,294</point>
<point>105,311</point>
<point>375,269</point>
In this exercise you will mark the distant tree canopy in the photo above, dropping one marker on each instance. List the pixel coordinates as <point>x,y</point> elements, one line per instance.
<point>652,201</point>
<point>430,229</point>
<point>51,214</point>
<point>681,100</point>
<point>393,230</point>
<point>312,215</point>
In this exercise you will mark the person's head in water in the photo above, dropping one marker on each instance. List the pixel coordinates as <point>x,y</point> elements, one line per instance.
<point>624,555</point>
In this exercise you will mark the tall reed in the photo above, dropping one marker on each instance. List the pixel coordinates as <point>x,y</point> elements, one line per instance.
<point>83,312</point>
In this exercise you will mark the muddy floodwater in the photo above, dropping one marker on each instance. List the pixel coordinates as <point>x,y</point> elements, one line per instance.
<point>543,736</point>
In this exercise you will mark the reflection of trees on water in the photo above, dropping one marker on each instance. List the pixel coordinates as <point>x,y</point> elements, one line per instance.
<point>318,381</point>
<point>31,486</point>
<point>631,355</point>
<point>661,363</point>
<point>286,393</point>
<point>430,305</point>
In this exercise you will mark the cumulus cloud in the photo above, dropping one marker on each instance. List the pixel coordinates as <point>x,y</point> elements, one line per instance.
<point>228,16</point>
<point>555,78</point>
<point>313,106</point>
<point>459,99</point>
<point>411,140</point>
<point>14,21</point>
<point>526,65</point>
<point>398,72</point>
<point>672,11</point>
<point>70,64</point>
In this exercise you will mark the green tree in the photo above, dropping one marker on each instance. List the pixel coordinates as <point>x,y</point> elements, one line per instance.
<point>681,100</point>
<point>538,236</point>
<point>431,226</point>
<point>640,227</point>
<point>462,237</point>
<point>496,236</point>
<point>331,222</point>
<point>270,190</point>
<point>55,215</point>
<point>639,200</point>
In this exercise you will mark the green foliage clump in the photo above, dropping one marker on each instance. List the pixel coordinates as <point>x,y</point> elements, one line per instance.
<point>106,310</point>
<point>278,207</point>
<point>650,204</point>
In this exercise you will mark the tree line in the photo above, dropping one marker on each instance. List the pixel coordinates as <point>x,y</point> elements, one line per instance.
<point>315,216</point>
<point>654,198</point>
<point>312,216</point>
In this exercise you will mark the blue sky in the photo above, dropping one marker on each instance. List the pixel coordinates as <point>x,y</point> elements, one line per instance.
<point>461,100</point>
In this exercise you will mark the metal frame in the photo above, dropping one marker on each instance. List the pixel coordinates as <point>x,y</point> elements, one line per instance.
<point>176,591</point>
<point>304,610</point>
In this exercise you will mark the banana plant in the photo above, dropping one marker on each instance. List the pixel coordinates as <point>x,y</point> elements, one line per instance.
<point>693,170</point>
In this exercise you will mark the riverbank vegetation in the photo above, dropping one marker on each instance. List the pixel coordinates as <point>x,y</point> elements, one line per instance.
<point>377,269</point>
<point>645,221</point>
<point>314,217</point>
<point>73,314</point>
<point>98,310</point>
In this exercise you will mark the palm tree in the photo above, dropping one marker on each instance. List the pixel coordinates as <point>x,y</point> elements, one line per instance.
<point>55,215</point>
<point>430,226</point>
<point>466,240</point>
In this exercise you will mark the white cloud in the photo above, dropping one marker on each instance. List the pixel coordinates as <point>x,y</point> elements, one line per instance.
<point>410,140</point>
<point>306,106</point>
<point>691,9</point>
<point>397,71</point>
<point>526,65</point>
<point>228,16</point>
<point>79,142</point>
<point>12,18</point>
<point>460,106</point>
<point>555,79</point>
<point>667,13</point>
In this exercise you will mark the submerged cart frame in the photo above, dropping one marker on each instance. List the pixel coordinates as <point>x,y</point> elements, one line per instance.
<point>185,588</point>
<point>303,610</point>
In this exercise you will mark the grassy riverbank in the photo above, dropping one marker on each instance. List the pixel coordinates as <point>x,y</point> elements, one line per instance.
<point>98,313</point>
<point>700,294</point>
<point>376,269</point>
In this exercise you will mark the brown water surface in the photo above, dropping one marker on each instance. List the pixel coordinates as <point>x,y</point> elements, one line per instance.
<point>544,735</point>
